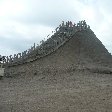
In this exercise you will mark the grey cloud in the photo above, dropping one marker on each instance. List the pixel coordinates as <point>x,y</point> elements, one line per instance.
<point>49,13</point>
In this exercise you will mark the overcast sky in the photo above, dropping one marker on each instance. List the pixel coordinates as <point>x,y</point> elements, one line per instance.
<point>24,22</point>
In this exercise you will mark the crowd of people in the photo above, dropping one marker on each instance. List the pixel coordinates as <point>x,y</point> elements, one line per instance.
<point>61,33</point>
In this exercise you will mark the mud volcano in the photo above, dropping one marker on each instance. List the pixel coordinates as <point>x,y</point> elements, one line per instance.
<point>70,47</point>
<point>69,72</point>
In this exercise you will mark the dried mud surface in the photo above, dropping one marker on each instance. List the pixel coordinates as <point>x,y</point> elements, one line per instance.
<point>78,91</point>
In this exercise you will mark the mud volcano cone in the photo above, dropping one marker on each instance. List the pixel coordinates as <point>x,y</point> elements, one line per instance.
<point>82,48</point>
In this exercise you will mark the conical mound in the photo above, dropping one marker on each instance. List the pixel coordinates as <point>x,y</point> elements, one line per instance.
<point>82,49</point>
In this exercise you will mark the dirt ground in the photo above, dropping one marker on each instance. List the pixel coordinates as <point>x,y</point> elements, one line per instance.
<point>78,91</point>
